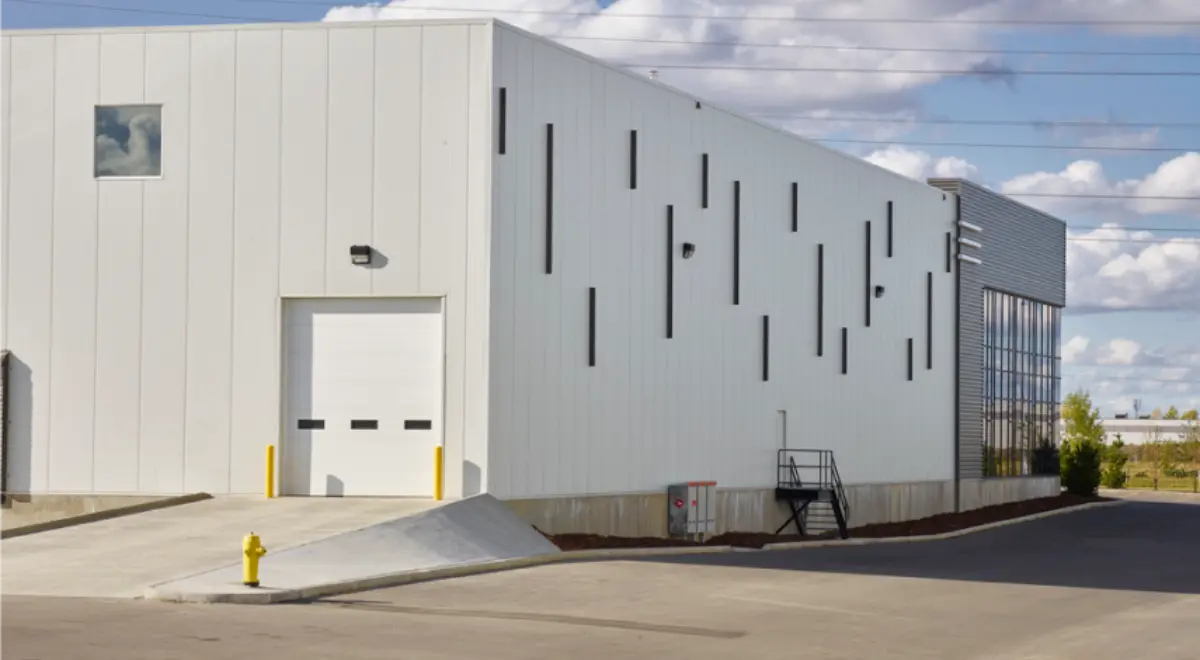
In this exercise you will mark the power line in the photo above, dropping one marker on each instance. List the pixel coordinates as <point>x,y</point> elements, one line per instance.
<point>1035,123</point>
<point>1005,146</point>
<point>1149,241</point>
<point>1123,228</point>
<point>142,10</point>
<point>691,42</point>
<point>777,18</point>
<point>883,49</point>
<point>997,72</point>
<point>1177,198</point>
<point>1133,378</point>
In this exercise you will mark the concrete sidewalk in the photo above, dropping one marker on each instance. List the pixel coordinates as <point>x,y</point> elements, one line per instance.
<point>465,534</point>
<point>119,558</point>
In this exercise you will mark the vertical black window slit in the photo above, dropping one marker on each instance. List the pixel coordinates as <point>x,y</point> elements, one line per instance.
<point>704,181</point>
<point>737,242</point>
<point>766,348</point>
<point>889,230</point>
<point>670,271</point>
<point>633,160</point>
<point>592,326</point>
<point>949,252</point>
<point>910,358</point>
<point>868,267</point>
<point>502,132</point>
<point>820,300</point>
<point>845,350</point>
<point>549,198</point>
<point>929,320</point>
<point>795,207</point>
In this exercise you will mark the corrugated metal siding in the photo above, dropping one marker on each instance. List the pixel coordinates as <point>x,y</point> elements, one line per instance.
<point>146,311</point>
<point>655,410</point>
<point>1024,253</point>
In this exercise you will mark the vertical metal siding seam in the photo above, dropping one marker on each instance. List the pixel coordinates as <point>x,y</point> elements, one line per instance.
<point>53,214</point>
<point>137,478</point>
<point>95,260</point>
<point>328,103</point>
<point>233,293</point>
<point>957,365</point>
<point>420,169</point>
<point>374,165</point>
<point>6,99</point>
<point>187,270</point>
<point>280,342</point>
<point>466,268</point>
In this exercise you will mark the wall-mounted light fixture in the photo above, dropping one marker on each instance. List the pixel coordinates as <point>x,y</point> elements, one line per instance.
<point>970,227</point>
<point>879,290</point>
<point>970,243</point>
<point>969,259</point>
<point>688,250</point>
<point>360,255</point>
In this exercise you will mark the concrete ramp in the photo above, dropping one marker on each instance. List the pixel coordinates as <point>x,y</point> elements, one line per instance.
<point>120,557</point>
<point>469,532</point>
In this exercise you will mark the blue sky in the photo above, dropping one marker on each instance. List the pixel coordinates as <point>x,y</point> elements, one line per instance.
<point>1116,352</point>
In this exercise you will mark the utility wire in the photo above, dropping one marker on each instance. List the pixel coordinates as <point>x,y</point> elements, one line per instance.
<point>143,10</point>
<point>777,18</point>
<point>1066,147</point>
<point>1125,228</point>
<point>691,42</point>
<point>1133,378</point>
<point>883,49</point>
<point>1034,123</point>
<point>1179,198</point>
<point>1145,241</point>
<point>997,72</point>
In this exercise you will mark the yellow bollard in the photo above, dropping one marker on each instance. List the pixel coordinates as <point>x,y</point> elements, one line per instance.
<point>437,473</point>
<point>270,471</point>
<point>252,549</point>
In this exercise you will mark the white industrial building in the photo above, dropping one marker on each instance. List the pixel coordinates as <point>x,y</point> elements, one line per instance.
<point>359,242</point>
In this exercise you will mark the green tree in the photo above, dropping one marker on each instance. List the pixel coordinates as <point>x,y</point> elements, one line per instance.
<point>1172,413</point>
<point>1082,446</point>
<point>1192,414</point>
<point>1114,475</point>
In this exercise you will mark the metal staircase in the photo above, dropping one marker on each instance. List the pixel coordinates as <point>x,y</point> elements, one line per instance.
<point>808,480</point>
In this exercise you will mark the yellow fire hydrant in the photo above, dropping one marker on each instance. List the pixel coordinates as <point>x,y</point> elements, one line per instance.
<point>252,549</point>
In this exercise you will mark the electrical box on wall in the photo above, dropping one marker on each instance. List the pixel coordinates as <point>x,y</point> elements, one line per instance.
<point>692,509</point>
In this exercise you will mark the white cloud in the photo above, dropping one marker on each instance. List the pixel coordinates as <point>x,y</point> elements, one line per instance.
<point>737,39</point>
<point>920,165</point>
<point>1080,350</point>
<point>1178,177</point>
<point>1108,270</point>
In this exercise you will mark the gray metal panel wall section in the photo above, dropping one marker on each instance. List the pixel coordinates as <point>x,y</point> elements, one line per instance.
<point>1024,253</point>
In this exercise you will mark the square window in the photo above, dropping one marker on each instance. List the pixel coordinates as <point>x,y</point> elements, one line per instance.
<point>128,141</point>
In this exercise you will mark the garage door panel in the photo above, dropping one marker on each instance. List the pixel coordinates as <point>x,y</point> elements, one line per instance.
<point>378,361</point>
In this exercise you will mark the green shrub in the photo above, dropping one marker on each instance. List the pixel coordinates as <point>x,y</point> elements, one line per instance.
<point>1113,476</point>
<point>1083,445</point>
<point>1080,463</point>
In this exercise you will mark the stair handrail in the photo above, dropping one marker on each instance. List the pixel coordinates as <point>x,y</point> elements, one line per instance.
<point>841,491</point>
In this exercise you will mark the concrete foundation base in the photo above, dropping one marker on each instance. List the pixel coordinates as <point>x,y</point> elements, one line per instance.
<point>755,510</point>
<point>978,493</point>
<point>22,509</point>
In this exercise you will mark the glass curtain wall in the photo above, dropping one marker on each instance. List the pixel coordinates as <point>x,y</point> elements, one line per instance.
<point>1022,381</point>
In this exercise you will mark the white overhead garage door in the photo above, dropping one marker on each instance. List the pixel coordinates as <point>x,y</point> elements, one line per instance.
<point>363,407</point>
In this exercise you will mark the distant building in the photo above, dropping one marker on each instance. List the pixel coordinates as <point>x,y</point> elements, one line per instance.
<point>1142,431</point>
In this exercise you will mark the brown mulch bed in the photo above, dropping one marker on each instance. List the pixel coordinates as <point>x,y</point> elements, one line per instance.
<point>939,524</point>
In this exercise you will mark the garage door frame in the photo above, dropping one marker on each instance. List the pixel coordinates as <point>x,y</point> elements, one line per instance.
<point>282,310</point>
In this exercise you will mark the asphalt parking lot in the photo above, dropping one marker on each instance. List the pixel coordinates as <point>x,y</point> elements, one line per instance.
<point>1117,582</point>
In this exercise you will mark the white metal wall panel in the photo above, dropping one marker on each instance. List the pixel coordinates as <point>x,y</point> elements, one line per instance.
<point>256,356</point>
<point>251,207</point>
<point>118,273</point>
<point>5,107</point>
<point>210,262</point>
<point>29,258</point>
<point>165,265</point>
<point>694,407</point>
<point>73,333</point>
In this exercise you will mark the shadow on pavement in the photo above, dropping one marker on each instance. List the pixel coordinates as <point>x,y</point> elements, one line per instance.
<point>1140,546</point>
